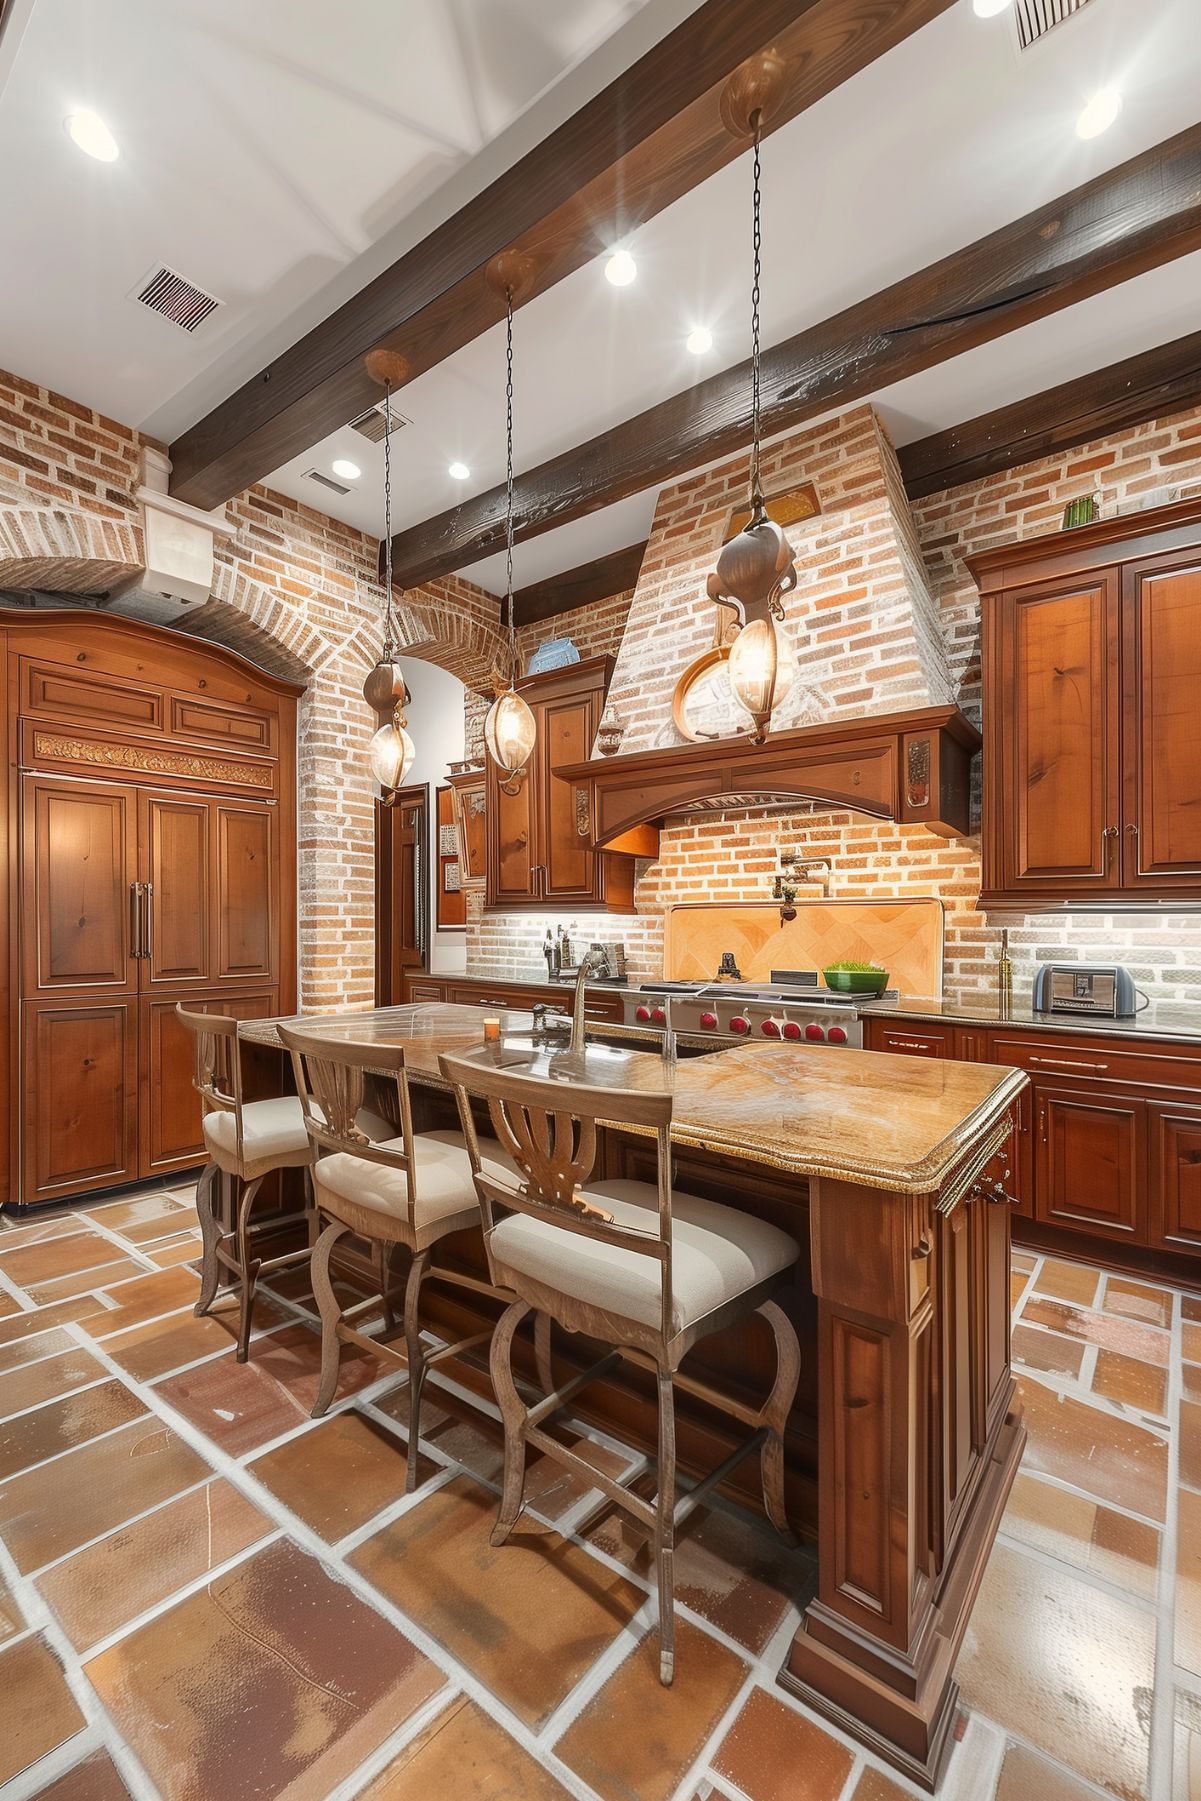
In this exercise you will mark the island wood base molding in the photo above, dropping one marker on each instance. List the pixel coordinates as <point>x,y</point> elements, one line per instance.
<point>903,1707</point>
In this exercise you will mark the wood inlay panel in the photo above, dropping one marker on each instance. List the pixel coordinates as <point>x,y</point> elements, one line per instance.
<point>175,836</point>
<point>80,1068</point>
<point>245,864</point>
<point>80,860</point>
<point>70,694</point>
<point>859,1361</point>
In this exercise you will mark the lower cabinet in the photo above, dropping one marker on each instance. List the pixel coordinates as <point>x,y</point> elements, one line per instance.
<point>1089,1161</point>
<point>1174,1134</point>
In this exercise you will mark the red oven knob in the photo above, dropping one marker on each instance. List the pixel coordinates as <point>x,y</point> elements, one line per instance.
<point>836,1035</point>
<point>739,1024</point>
<point>658,1016</point>
<point>815,1033</point>
<point>770,1029</point>
<point>642,1015</point>
<point>708,1020</point>
<point>792,1030</point>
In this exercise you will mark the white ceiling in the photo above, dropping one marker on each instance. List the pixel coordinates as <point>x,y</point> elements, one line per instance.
<point>281,153</point>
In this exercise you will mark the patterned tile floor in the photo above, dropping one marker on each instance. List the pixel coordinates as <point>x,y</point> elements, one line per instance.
<point>203,1593</point>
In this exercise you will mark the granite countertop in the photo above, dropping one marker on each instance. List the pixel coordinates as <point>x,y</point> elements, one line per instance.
<point>881,1122</point>
<point>1161,1022</point>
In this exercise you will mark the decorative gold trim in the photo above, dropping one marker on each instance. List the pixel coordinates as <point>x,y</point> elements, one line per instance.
<point>582,820</point>
<point>150,762</point>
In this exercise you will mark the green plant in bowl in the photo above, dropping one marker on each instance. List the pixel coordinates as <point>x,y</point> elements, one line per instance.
<point>849,977</point>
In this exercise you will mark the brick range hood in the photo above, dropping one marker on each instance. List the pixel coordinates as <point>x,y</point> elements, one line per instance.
<point>914,767</point>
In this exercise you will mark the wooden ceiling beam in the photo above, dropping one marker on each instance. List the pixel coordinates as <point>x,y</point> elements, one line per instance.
<point>652,135</point>
<point>1148,386</point>
<point>579,587</point>
<point>1135,217</point>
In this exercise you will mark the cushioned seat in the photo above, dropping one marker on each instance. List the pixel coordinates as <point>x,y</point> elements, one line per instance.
<point>717,1254</point>
<point>273,1132</point>
<point>444,1180</point>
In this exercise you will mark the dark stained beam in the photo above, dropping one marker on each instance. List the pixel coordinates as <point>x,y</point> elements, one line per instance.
<point>579,587</point>
<point>1148,386</point>
<point>1140,215</point>
<point>651,136</point>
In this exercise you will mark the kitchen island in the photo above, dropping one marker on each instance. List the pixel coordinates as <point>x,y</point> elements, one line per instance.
<point>905,1437</point>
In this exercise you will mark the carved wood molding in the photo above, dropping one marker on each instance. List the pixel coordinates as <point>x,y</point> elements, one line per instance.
<point>150,762</point>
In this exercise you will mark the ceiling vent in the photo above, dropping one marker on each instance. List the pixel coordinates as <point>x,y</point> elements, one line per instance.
<point>1035,18</point>
<point>374,423</point>
<point>165,292</point>
<point>325,481</point>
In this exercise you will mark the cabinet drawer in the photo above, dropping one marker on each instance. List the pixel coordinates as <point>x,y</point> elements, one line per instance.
<point>425,991</point>
<point>1075,1059</point>
<point>910,1041</point>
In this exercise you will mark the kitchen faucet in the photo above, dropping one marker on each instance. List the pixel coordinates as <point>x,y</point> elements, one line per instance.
<point>590,962</point>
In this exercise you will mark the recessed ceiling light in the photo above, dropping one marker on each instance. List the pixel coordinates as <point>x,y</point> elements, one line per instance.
<point>1099,114</point>
<point>92,135</point>
<point>699,340</point>
<point>458,472</point>
<point>350,472</point>
<point>988,9</point>
<point>621,268</point>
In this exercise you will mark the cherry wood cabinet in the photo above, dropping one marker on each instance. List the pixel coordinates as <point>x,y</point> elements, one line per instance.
<point>1090,1153</point>
<point>1091,666</point>
<point>1174,1131</point>
<point>539,850</point>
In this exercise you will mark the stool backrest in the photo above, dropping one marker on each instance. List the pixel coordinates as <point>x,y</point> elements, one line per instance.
<point>549,1129</point>
<point>331,1078</point>
<point>217,1075</point>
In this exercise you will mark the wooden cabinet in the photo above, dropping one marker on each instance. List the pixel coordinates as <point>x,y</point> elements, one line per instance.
<point>909,1041</point>
<point>1089,1161</point>
<point>469,799</point>
<point>538,836</point>
<point>1174,1132</point>
<point>80,1097</point>
<point>1091,666</point>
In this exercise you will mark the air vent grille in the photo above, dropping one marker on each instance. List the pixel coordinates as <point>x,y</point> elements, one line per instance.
<point>1035,18</point>
<point>373,423</point>
<point>166,292</point>
<point>325,481</point>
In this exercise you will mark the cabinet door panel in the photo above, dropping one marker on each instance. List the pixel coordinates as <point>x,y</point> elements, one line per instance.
<point>1176,1177</point>
<point>169,1119</point>
<point>80,1093</point>
<point>1060,751</point>
<point>1162,840</point>
<point>246,897</point>
<point>510,828</point>
<point>80,861</point>
<point>176,856</point>
<point>567,728</point>
<point>1090,1162</point>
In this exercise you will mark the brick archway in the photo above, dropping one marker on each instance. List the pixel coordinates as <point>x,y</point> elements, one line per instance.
<point>67,552</point>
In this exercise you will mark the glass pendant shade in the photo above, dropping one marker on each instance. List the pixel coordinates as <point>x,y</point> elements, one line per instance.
<point>509,732</point>
<point>762,669</point>
<point>390,755</point>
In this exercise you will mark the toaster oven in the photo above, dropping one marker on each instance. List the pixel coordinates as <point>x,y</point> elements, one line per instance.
<point>1101,988</point>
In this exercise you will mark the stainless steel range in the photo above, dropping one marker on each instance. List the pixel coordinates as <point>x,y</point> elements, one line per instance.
<point>791,1011</point>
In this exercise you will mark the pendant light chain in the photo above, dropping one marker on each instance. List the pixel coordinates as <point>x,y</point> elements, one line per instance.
<point>756,488</point>
<point>388,641</point>
<point>509,485</point>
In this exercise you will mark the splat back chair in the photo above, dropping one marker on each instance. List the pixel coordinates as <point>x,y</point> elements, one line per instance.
<point>413,1190</point>
<point>644,1269</point>
<point>246,1141</point>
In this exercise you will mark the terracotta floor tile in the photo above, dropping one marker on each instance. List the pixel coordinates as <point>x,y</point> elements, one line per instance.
<point>236,1692</point>
<point>464,1756</point>
<point>458,1430</point>
<point>174,1255</point>
<point>1111,1458</point>
<point>1134,1384</point>
<point>95,1779</point>
<point>1190,1306</point>
<point>1046,1351</point>
<point>1082,1532</point>
<point>1025,1776</point>
<point>1188,1580</point>
<point>243,1405</point>
<point>1190,1443</point>
<point>11,1620</point>
<point>1138,1300</point>
<point>768,1745</point>
<point>1069,1281</point>
<point>166,1291</point>
<point>50,1511</point>
<point>1017,1286</point>
<point>11,1234</point>
<point>8,1305</point>
<point>98,1590</point>
<point>649,1763</point>
<point>37,1345</point>
<point>47,1259</point>
<point>39,1709</point>
<point>1190,1374</point>
<point>871,1786</point>
<point>87,1281</point>
<point>527,1619</point>
<point>1104,1329</point>
<point>338,1475</point>
<point>1068,1667</point>
<point>34,1383</point>
<point>130,1218</point>
<point>166,1344</point>
<point>1186,1749</point>
<point>63,1424</point>
<point>21,1325</point>
<point>1192,1343</point>
<point>1022,1260</point>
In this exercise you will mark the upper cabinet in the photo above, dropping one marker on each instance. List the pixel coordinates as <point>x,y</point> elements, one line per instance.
<point>539,837</point>
<point>1092,668</point>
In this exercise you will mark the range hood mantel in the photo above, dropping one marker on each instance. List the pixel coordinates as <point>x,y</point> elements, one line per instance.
<point>914,767</point>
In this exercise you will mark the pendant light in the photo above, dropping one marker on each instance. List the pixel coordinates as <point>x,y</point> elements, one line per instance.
<point>755,569</point>
<point>509,730</point>
<point>391,751</point>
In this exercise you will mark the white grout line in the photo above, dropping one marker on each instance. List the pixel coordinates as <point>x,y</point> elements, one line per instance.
<point>125,1244</point>
<point>73,1388</point>
<point>16,1293</point>
<point>1163,1698</point>
<point>183,1593</point>
<point>134,1519</point>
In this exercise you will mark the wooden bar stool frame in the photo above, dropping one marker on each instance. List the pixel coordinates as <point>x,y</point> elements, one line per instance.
<point>218,1081</point>
<point>549,1130</point>
<point>330,1080</point>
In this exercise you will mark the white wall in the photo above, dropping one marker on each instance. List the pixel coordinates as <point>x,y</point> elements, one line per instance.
<point>435,716</point>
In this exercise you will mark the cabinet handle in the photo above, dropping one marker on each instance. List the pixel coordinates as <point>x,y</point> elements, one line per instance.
<point>1108,832</point>
<point>1068,1063</point>
<point>1042,1124</point>
<point>910,1044</point>
<point>147,939</point>
<point>1133,830</point>
<point>922,1248</point>
<point>135,919</point>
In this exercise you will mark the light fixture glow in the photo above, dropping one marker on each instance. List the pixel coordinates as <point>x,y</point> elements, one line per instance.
<point>458,472</point>
<point>1099,114</point>
<point>699,340</point>
<point>762,668</point>
<point>350,472</point>
<point>391,754</point>
<point>621,269</point>
<point>509,733</point>
<point>88,131</point>
<point>988,9</point>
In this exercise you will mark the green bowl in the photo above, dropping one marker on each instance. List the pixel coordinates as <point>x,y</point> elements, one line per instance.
<point>856,981</point>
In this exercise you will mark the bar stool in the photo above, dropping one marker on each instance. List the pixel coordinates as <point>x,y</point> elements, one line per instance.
<point>645,1269</point>
<point>412,1190</point>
